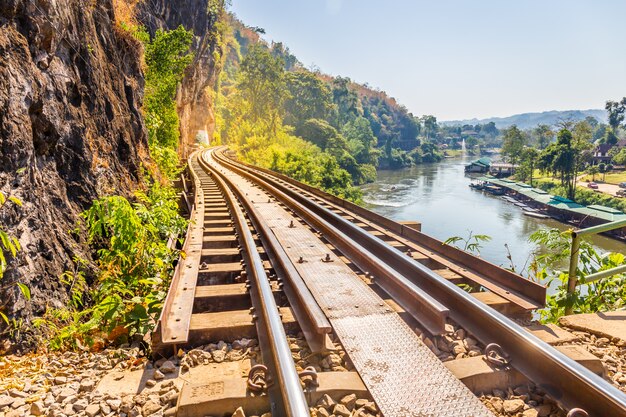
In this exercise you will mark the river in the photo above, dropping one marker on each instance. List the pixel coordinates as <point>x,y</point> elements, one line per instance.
<point>438,195</point>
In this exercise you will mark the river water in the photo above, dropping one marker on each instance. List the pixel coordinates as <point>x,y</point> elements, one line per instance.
<point>438,195</point>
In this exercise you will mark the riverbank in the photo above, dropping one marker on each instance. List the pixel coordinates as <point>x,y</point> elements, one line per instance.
<point>438,196</point>
<point>557,206</point>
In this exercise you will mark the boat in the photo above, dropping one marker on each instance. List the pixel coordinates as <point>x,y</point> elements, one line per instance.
<point>494,189</point>
<point>531,212</point>
<point>477,185</point>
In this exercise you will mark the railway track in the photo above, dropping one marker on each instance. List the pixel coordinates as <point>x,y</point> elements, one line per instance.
<point>304,260</point>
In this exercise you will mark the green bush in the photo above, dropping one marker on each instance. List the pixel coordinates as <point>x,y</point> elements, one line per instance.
<point>603,295</point>
<point>134,269</point>
<point>166,56</point>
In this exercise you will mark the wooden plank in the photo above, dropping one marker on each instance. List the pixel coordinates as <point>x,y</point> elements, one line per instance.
<point>450,275</point>
<point>230,325</point>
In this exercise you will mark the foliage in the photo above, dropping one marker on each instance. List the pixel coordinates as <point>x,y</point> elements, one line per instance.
<point>361,141</point>
<point>262,86</point>
<point>528,162</point>
<point>472,243</point>
<point>309,98</point>
<point>166,159</point>
<point>9,246</point>
<point>543,135</point>
<point>616,111</point>
<point>166,56</point>
<point>603,295</point>
<point>565,158</point>
<point>513,142</point>
<point>134,268</point>
<point>620,157</point>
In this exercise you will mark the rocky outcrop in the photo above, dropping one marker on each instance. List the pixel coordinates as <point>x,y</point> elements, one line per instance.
<point>71,130</point>
<point>195,106</point>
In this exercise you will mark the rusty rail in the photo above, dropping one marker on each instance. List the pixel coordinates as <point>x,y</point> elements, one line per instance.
<point>173,324</point>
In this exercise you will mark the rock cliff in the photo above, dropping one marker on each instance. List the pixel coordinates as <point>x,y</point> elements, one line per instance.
<point>71,128</point>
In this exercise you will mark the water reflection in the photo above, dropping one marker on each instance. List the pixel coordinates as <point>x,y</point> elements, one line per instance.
<point>438,195</point>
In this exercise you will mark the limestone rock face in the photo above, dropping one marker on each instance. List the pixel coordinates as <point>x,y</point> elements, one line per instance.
<point>71,130</point>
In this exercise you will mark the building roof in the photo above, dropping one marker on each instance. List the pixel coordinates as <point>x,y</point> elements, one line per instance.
<point>601,212</point>
<point>484,161</point>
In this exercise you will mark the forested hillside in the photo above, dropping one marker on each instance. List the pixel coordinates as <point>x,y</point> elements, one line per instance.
<point>324,130</point>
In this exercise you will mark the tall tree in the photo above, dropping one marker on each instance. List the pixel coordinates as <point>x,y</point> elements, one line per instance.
<point>544,135</point>
<point>262,85</point>
<point>430,126</point>
<point>563,158</point>
<point>616,111</point>
<point>309,98</point>
<point>513,142</point>
<point>528,159</point>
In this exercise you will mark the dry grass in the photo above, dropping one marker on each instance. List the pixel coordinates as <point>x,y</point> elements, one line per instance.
<point>125,12</point>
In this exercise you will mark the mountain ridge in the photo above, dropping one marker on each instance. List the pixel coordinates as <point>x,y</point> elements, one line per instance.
<point>532,119</point>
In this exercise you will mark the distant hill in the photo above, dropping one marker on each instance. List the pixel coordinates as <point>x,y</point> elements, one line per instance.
<point>530,120</point>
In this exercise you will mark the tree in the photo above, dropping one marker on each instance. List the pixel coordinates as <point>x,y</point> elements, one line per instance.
<point>309,98</point>
<point>279,50</point>
<point>544,135</point>
<point>529,159</point>
<point>318,132</point>
<point>610,137</point>
<point>562,158</point>
<point>345,99</point>
<point>430,126</point>
<point>620,157</point>
<point>593,170</point>
<point>262,86</point>
<point>471,142</point>
<point>490,129</point>
<point>361,140</point>
<point>616,111</point>
<point>166,56</point>
<point>602,169</point>
<point>513,142</point>
<point>582,133</point>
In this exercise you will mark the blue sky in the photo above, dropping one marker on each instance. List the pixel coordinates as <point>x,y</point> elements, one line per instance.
<point>459,59</point>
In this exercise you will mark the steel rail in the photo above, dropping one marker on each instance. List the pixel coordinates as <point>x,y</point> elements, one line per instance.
<point>431,314</point>
<point>500,281</point>
<point>287,397</point>
<point>566,381</point>
<point>310,317</point>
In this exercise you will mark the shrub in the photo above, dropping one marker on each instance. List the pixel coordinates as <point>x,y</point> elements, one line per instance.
<point>134,268</point>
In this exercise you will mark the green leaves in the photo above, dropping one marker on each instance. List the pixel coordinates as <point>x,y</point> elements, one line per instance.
<point>548,267</point>
<point>166,56</point>
<point>473,243</point>
<point>134,268</point>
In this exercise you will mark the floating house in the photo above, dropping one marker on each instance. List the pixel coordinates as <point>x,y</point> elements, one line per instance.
<point>501,169</point>
<point>480,165</point>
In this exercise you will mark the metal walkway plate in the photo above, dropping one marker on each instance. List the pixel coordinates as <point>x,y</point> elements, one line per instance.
<point>404,377</point>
